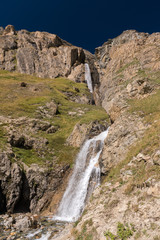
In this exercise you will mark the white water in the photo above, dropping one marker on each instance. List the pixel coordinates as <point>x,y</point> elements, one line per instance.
<point>88,77</point>
<point>43,237</point>
<point>30,235</point>
<point>86,174</point>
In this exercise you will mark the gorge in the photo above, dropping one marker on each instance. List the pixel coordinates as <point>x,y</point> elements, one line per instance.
<point>48,115</point>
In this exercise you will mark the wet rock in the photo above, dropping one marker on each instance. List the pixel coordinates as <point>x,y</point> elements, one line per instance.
<point>97,128</point>
<point>78,135</point>
<point>24,223</point>
<point>8,222</point>
<point>83,131</point>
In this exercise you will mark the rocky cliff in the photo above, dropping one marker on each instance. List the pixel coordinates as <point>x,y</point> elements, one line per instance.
<point>43,54</point>
<point>126,204</point>
<point>58,112</point>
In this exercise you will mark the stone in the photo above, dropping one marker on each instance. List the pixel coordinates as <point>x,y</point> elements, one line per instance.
<point>83,131</point>
<point>24,223</point>
<point>156,158</point>
<point>23,84</point>
<point>9,30</point>
<point>8,222</point>
<point>49,110</point>
<point>78,135</point>
<point>52,129</point>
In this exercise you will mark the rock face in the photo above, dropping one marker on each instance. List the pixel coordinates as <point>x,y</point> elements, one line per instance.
<point>83,131</point>
<point>127,67</point>
<point>122,63</point>
<point>128,88</point>
<point>43,54</point>
<point>22,189</point>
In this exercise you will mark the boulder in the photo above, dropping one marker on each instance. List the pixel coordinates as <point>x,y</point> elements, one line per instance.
<point>48,111</point>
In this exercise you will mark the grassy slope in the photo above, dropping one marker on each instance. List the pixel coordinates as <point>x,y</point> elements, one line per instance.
<point>17,101</point>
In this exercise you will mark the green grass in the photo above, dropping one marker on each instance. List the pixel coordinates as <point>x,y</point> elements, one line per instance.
<point>124,232</point>
<point>146,106</point>
<point>21,101</point>
<point>28,156</point>
<point>17,101</point>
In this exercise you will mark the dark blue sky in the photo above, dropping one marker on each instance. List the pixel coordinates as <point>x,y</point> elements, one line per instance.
<point>84,23</point>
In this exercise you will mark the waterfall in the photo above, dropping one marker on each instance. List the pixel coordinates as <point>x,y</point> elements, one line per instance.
<point>88,77</point>
<point>85,177</point>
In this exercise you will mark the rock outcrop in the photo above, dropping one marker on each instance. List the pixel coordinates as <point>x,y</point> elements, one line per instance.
<point>43,54</point>
<point>83,131</point>
<point>122,63</point>
<point>23,187</point>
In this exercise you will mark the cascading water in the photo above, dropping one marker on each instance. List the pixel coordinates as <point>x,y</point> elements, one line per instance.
<point>86,174</point>
<point>88,77</point>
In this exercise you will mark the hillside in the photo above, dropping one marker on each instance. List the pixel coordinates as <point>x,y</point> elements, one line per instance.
<point>37,117</point>
<point>45,121</point>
